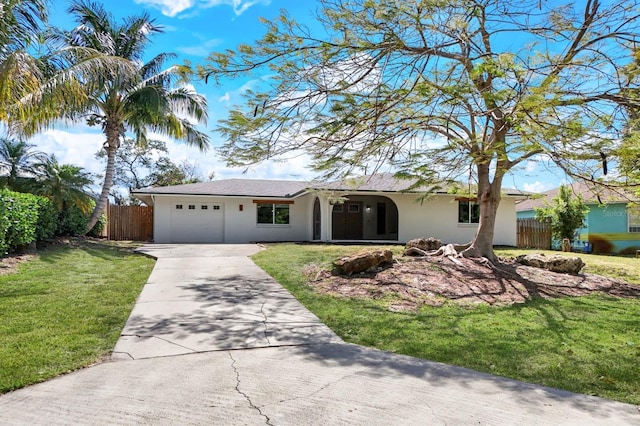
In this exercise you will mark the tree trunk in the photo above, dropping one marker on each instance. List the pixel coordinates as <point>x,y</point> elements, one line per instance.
<point>110,146</point>
<point>489,200</point>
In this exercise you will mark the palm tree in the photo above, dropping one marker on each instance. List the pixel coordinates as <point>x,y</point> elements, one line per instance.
<point>20,163</point>
<point>149,100</point>
<point>40,79</point>
<point>20,25</point>
<point>65,185</point>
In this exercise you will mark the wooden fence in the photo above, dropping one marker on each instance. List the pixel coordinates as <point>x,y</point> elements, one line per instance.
<point>129,223</point>
<point>533,233</point>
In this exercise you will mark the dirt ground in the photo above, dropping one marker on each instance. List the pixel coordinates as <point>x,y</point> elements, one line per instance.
<point>413,282</point>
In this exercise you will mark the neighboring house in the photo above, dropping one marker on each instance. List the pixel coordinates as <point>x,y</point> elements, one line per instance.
<point>372,209</point>
<point>612,224</point>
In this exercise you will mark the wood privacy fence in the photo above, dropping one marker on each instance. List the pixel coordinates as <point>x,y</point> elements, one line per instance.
<point>533,233</point>
<point>129,223</point>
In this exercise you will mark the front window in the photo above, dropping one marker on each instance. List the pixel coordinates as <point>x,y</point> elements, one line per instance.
<point>633,218</point>
<point>273,214</point>
<point>468,212</point>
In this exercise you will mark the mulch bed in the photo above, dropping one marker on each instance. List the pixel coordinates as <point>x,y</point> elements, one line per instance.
<point>413,282</point>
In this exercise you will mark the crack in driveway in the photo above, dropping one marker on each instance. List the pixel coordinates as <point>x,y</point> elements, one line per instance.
<point>251,404</point>
<point>266,325</point>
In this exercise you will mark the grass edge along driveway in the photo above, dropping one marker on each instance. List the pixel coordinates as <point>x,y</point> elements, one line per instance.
<point>588,345</point>
<point>65,309</point>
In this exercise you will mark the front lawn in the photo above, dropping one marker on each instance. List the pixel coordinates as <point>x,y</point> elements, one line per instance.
<point>587,344</point>
<point>65,310</point>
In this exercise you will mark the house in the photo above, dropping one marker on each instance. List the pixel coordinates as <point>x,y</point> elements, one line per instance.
<point>374,208</point>
<point>612,224</point>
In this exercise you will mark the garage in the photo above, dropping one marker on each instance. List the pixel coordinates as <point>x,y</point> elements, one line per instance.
<point>197,222</point>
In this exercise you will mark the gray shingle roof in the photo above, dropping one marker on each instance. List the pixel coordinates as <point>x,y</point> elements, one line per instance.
<point>590,195</point>
<point>384,182</point>
<point>233,187</point>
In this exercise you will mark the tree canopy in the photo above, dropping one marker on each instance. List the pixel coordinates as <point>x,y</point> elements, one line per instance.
<point>153,99</point>
<point>457,90</point>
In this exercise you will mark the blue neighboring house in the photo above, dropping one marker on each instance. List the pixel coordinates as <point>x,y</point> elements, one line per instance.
<point>612,224</point>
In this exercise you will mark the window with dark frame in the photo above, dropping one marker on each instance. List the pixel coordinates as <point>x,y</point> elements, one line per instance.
<point>204,207</point>
<point>216,207</point>
<point>192,206</point>
<point>468,211</point>
<point>272,214</point>
<point>178,206</point>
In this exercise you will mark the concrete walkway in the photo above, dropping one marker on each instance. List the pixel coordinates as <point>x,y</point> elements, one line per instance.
<point>214,340</point>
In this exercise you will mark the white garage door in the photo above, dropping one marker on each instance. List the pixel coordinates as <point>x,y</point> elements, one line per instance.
<point>195,222</point>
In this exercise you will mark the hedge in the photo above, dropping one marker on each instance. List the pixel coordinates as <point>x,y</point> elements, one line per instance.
<point>18,219</point>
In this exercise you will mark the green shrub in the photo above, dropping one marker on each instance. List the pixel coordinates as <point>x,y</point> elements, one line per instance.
<point>20,219</point>
<point>47,219</point>
<point>72,220</point>
<point>97,229</point>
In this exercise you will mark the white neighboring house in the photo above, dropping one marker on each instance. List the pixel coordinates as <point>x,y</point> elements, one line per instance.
<point>373,208</point>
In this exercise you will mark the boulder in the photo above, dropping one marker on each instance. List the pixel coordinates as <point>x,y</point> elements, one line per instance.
<point>555,263</point>
<point>362,261</point>
<point>425,244</point>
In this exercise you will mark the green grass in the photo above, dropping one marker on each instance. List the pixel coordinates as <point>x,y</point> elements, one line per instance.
<point>589,345</point>
<point>65,310</point>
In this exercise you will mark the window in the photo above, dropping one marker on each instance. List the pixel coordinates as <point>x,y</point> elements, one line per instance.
<point>468,212</point>
<point>178,206</point>
<point>192,206</point>
<point>204,207</point>
<point>338,208</point>
<point>633,219</point>
<point>353,208</point>
<point>217,207</point>
<point>273,214</point>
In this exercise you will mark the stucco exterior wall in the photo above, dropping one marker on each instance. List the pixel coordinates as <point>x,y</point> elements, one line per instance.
<point>606,228</point>
<point>436,217</point>
<point>239,226</point>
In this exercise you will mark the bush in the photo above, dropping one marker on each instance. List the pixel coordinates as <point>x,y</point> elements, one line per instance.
<point>47,219</point>
<point>19,219</point>
<point>97,229</point>
<point>72,220</point>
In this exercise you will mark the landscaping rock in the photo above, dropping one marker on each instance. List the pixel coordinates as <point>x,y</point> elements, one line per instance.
<point>361,262</point>
<point>425,244</point>
<point>555,263</point>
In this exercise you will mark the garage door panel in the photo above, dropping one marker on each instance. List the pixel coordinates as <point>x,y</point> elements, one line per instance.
<point>197,222</point>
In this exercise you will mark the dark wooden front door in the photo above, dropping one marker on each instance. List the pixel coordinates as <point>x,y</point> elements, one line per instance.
<point>347,221</point>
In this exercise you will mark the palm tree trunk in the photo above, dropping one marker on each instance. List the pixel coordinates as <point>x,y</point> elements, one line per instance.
<point>101,204</point>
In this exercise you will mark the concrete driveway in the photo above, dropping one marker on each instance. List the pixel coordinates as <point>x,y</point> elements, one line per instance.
<point>214,340</point>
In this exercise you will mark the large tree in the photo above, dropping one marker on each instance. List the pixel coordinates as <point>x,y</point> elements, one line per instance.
<point>153,99</point>
<point>439,90</point>
<point>139,166</point>
<point>42,80</point>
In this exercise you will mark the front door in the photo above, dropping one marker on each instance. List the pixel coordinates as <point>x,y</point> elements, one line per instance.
<point>347,221</point>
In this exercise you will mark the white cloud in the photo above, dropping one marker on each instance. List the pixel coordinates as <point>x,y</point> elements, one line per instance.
<point>78,148</point>
<point>168,7</point>
<point>537,187</point>
<point>225,98</point>
<point>172,8</point>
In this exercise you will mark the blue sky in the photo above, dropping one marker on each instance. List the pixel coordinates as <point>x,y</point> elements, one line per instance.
<point>193,29</point>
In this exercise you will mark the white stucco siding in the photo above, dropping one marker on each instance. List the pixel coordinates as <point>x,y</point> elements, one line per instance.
<point>239,224</point>
<point>438,217</point>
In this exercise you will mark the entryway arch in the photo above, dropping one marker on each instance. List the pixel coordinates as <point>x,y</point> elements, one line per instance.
<point>365,217</point>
